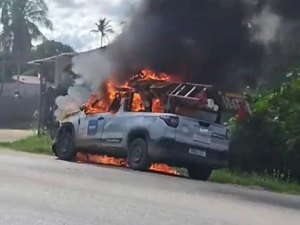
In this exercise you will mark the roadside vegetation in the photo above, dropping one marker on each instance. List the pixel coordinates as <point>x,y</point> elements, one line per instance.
<point>33,144</point>
<point>265,181</point>
<point>269,141</point>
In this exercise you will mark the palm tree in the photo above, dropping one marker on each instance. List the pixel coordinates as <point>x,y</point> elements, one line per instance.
<point>5,39</point>
<point>104,28</point>
<point>21,20</point>
<point>5,36</point>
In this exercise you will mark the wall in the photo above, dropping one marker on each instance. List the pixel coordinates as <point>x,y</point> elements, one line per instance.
<point>17,113</point>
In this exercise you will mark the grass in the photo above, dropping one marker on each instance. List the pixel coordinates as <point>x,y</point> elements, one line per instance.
<point>256,181</point>
<point>42,145</point>
<point>33,144</point>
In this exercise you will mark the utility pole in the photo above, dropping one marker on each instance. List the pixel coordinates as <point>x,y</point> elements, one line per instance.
<point>43,85</point>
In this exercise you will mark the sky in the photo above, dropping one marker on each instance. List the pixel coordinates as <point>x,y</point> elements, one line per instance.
<point>74,19</point>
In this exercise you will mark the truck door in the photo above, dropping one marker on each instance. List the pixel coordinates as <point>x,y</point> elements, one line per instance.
<point>115,128</point>
<point>91,127</point>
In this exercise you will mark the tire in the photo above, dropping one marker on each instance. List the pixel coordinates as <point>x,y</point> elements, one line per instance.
<point>64,147</point>
<point>138,158</point>
<point>200,173</point>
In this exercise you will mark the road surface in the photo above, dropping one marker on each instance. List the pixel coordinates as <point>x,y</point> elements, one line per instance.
<point>39,190</point>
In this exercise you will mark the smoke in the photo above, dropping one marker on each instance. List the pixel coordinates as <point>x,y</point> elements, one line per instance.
<point>268,24</point>
<point>221,42</point>
<point>92,69</point>
<point>70,103</point>
<point>227,43</point>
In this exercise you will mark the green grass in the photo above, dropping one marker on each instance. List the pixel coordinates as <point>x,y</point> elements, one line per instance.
<point>256,181</point>
<point>42,145</point>
<point>33,144</point>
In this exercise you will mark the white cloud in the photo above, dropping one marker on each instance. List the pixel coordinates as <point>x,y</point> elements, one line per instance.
<point>74,19</point>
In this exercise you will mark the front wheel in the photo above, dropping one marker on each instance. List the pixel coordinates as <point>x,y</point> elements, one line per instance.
<point>138,158</point>
<point>200,173</point>
<point>64,147</point>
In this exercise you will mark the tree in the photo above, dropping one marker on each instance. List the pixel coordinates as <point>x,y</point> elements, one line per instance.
<point>21,20</point>
<point>269,140</point>
<point>5,36</point>
<point>50,48</point>
<point>104,28</point>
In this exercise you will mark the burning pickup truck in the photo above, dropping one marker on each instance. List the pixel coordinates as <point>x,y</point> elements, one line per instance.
<point>154,121</point>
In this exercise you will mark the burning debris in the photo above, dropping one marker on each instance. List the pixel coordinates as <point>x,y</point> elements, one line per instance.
<point>108,92</point>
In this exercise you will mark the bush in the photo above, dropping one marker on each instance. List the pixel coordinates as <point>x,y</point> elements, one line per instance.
<point>270,139</point>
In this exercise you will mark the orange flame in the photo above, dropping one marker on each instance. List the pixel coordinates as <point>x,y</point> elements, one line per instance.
<point>137,104</point>
<point>157,106</point>
<point>101,102</point>
<point>147,74</point>
<point>105,160</point>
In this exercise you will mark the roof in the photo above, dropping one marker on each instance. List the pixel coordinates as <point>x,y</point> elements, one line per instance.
<point>27,79</point>
<point>51,59</point>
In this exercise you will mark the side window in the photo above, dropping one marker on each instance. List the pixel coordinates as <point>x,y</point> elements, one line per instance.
<point>137,103</point>
<point>116,104</point>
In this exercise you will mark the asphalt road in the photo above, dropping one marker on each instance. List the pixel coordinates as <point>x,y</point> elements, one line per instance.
<point>39,190</point>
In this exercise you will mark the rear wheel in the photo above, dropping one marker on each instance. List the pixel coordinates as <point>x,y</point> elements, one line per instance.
<point>138,157</point>
<point>64,147</point>
<point>200,172</point>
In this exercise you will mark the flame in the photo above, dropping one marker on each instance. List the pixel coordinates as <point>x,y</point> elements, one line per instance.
<point>162,168</point>
<point>137,104</point>
<point>147,74</point>
<point>99,103</point>
<point>157,106</point>
<point>105,160</point>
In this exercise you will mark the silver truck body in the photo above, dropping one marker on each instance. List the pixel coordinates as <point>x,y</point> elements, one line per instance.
<point>175,140</point>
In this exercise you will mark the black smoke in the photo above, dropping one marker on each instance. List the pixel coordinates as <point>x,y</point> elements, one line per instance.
<point>205,41</point>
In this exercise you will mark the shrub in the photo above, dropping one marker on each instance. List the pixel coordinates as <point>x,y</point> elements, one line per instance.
<point>270,139</point>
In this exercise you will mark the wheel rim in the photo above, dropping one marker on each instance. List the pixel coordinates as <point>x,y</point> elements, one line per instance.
<point>136,153</point>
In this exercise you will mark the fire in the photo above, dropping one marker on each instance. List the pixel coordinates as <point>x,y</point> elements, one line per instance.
<point>99,103</point>
<point>162,168</point>
<point>147,74</point>
<point>105,160</point>
<point>137,104</point>
<point>95,105</point>
<point>157,107</point>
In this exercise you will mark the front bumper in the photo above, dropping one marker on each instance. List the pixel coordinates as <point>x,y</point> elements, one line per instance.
<point>176,154</point>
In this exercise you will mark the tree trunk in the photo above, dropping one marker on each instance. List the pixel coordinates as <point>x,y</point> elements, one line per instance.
<point>101,41</point>
<point>2,78</point>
